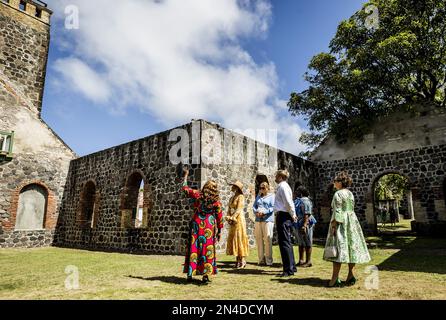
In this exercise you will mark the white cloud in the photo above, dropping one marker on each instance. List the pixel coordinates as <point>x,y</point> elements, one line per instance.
<point>83,79</point>
<point>176,60</point>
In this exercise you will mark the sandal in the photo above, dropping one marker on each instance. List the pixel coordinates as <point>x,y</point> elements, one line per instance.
<point>206,280</point>
<point>337,284</point>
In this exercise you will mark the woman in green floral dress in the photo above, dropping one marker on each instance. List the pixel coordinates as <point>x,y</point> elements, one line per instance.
<point>345,233</point>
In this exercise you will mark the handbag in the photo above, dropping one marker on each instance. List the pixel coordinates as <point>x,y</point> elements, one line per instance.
<point>331,250</point>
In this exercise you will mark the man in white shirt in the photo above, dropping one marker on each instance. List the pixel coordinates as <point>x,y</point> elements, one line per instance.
<point>286,215</point>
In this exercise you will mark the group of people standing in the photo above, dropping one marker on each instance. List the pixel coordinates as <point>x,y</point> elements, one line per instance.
<point>291,215</point>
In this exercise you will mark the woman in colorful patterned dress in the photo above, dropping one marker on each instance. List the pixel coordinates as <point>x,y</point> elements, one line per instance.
<point>345,233</point>
<point>237,238</point>
<point>205,230</point>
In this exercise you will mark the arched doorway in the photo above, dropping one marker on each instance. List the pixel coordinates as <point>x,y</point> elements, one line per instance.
<point>392,204</point>
<point>32,208</point>
<point>87,216</point>
<point>135,202</point>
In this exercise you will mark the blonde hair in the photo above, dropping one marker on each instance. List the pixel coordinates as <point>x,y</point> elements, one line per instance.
<point>266,185</point>
<point>210,191</point>
<point>284,174</point>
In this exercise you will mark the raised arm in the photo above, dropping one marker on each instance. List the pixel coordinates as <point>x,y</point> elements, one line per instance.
<point>189,192</point>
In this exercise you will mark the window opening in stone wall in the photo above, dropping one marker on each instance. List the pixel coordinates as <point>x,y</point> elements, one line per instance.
<point>135,203</point>
<point>88,205</point>
<point>22,5</point>
<point>32,207</point>
<point>6,142</point>
<point>38,13</point>
<point>139,212</point>
<point>393,206</point>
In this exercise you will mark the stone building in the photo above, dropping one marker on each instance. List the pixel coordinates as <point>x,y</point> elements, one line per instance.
<point>411,146</point>
<point>101,194</point>
<point>127,198</point>
<point>33,159</point>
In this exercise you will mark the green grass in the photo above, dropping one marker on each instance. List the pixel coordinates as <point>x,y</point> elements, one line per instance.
<point>410,268</point>
<point>404,226</point>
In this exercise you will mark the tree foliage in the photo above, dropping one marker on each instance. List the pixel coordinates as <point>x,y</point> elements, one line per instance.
<point>372,72</point>
<point>391,187</point>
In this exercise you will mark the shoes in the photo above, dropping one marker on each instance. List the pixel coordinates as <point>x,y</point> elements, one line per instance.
<point>242,265</point>
<point>307,265</point>
<point>351,282</point>
<point>337,284</point>
<point>285,275</point>
<point>301,263</point>
<point>206,280</point>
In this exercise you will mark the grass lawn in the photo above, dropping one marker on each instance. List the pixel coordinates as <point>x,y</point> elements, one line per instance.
<point>409,268</point>
<point>400,227</point>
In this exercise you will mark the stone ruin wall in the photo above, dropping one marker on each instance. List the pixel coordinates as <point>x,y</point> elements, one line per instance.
<point>425,169</point>
<point>248,160</point>
<point>169,217</point>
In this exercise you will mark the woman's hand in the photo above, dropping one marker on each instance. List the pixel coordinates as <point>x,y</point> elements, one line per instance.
<point>334,228</point>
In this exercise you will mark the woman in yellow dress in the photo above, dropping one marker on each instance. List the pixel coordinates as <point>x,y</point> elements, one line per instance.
<point>238,244</point>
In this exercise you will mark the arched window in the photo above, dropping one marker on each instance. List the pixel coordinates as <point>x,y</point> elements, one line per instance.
<point>32,207</point>
<point>135,202</point>
<point>88,206</point>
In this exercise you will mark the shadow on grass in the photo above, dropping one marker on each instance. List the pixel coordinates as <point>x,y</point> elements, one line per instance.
<point>170,280</point>
<point>312,282</point>
<point>228,267</point>
<point>416,254</point>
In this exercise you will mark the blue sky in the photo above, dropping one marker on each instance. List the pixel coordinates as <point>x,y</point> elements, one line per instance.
<point>273,50</point>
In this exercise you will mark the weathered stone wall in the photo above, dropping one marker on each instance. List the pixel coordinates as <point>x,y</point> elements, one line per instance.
<point>168,218</point>
<point>26,239</point>
<point>248,160</point>
<point>168,221</point>
<point>424,167</point>
<point>398,132</point>
<point>24,43</point>
<point>39,156</point>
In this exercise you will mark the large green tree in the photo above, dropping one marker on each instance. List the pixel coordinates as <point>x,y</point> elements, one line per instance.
<point>375,67</point>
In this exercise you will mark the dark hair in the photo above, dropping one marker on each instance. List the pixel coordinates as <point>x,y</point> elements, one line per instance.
<point>344,179</point>
<point>302,192</point>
